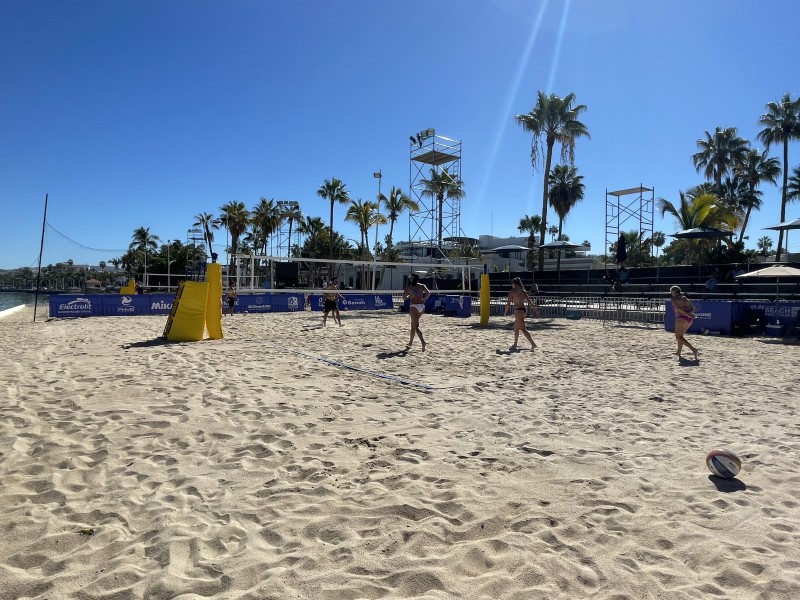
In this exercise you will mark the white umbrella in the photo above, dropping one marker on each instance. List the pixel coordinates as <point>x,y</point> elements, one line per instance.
<point>776,271</point>
<point>561,245</point>
<point>793,224</point>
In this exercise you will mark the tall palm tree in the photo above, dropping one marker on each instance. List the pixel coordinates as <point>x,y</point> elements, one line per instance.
<point>442,184</point>
<point>566,190</point>
<point>292,214</point>
<point>235,217</point>
<point>335,191</point>
<point>781,124</point>
<point>266,219</point>
<point>142,242</point>
<point>208,222</point>
<point>719,153</point>
<point>530,225</point>
<point>552,120</point>
<point>396,204</point>
<point>659,239</point>
<point>754,169</point>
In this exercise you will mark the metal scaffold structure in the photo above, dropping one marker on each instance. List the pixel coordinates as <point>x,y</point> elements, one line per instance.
<point>630,209</point>
<point>436,185</point>
<point>282,245</point>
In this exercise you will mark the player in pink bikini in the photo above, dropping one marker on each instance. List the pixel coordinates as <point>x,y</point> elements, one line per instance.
<point>684,315</point>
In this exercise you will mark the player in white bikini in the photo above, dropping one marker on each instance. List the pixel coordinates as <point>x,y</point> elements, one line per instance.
<point>416,293</point>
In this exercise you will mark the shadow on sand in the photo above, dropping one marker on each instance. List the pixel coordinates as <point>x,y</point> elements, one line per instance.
<point>727,485</point>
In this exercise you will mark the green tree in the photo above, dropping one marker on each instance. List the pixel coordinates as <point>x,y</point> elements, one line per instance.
<point>209,223</point>
<point>442,184</point>
<point>530,225</point>
<point>335,191</point>
<point>718,154</point>
<point>396,204</point>
<point>553,120</point>
<point>142,243</point>
<point>566,190</point>
<point>266,219</point>
<point>291,213</point>
<point>781,123</point>
<point>659,239</point>
<point>793,186</point>
<point>703,210</point>
<point>764,245</point>
<point>235,217</point>
<point>754,169</point>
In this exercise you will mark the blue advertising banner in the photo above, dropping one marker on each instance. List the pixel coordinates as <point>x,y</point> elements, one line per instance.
<point>458,306</point>
<point>113,305</point>
<point>713,315</point>
<point>259,303</point>
<point>109,305</point>
<point>355,302</point>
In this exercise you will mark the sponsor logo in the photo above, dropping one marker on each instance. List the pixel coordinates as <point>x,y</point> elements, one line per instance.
<point>161,305</point>
<point>76,305</point>
<point>126,300</point>
<point>125,310</point>
<point>259,307</point>
<point>293,302</point>
<point>702,315</point>
<point>379,303</point>
<point>356,302</point>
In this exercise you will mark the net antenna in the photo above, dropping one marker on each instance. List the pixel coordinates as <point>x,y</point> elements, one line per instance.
<point>436,185</point>
<point>633,208</point>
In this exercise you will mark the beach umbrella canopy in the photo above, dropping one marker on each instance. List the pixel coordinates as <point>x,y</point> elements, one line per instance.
<point>508,249</point>
<point>793,224</point>
<point>701,233</point>
<point>506,252</point>
<point>776,271</point>
<point>561,245</point>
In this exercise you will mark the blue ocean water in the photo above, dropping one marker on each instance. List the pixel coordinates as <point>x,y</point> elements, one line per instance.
<point>11,299</point>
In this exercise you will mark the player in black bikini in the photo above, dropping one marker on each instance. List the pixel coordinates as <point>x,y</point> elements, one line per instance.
<point>518,297</point>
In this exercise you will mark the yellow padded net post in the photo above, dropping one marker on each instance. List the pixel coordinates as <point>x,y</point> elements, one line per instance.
<point>214,301</point>
<point>128,289</point>
<point>485,299</point>
<point>187,320</point>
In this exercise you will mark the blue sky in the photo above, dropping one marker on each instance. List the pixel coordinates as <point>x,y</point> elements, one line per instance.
<point>147,112</point>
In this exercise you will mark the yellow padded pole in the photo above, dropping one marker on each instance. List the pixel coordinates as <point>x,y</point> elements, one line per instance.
<point>214,301</point>
<point>189,319</point>
<point>485,299</point>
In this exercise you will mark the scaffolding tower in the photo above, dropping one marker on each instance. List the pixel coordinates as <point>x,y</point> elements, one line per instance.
<point>436,185</point>
<point>281,244</point>
<point>634,207</point>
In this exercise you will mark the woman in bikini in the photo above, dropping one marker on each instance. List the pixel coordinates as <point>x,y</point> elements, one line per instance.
<point>416,293</point>
<point>684,315</point>
<point>518,297</point>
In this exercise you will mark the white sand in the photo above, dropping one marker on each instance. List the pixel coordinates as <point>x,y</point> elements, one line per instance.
<point>248,468</point>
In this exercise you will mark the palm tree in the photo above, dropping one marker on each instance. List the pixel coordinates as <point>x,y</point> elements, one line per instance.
<point>236,218</point>
<point>293,214</point>
<point>266,219</point>
<point>719,153</point>
<point>335,191</point>
<point>793,186</point>
<point>552,120</point>
<point>764,244</point>
<point>208,222</point>
<point>566,190</point>
<point>142,241</point>
<point>364,215</point>
<point>703,210</point>
<point>754,169</point>
<point>553,231</point>
<point>530,225</point>
<point>659,239</point>
<point>396,204</point>
<point>781,124</point>
<point>441,185</point>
